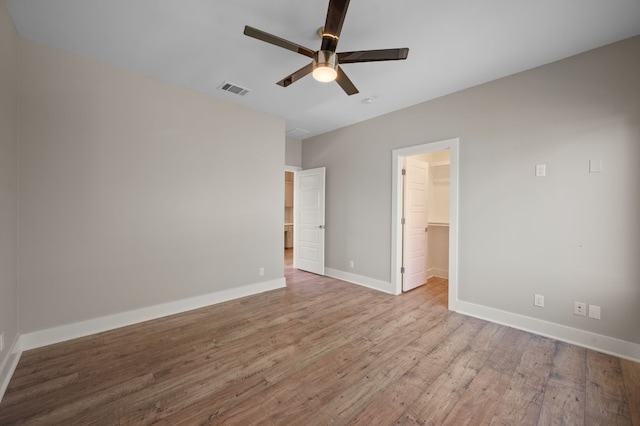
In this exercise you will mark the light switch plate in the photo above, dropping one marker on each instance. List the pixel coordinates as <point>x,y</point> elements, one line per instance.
<point>594,311</point>
<point>541,170</point>
<point>595,166</point>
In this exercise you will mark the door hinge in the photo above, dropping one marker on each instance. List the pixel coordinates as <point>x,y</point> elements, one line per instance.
<point>426,229</point>
<point>402,221</point>
<point>402,270</point>
<point>404,172</point>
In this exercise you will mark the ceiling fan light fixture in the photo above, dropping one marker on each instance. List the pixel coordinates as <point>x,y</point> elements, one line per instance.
<point>325,74</point>
<point>325,66</point>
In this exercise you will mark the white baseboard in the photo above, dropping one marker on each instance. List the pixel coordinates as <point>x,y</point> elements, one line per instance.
<point>53,335</point>
<point>587,339</point>
<point>438,272</point>
<point>62,333</point>
<point>609,345</point>
<point>8,366</point>
<point>372,283</point>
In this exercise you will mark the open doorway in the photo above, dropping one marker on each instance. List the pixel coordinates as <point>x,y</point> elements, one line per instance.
<point>304,219</point>
<point>437,217</point>
<point>425,228</point>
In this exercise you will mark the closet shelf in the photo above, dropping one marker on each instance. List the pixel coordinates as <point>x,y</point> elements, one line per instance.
<point>438,223</point>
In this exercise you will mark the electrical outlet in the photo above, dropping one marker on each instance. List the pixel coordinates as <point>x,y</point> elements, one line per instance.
<point>594,312</point>
<point>580,308</point>
<point>262,272</point>
<point>352,264</point>
<point>538,300</point>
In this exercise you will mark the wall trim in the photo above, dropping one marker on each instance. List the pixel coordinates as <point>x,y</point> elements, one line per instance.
<point>361,280</point>
<point>586,339</point>
<point>598,342</point>
<point>62,333</point>
<point>8,366</point>
<point>438,272</point>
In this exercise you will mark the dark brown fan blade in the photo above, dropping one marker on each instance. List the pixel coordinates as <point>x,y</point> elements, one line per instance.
<point>373,55</point>
<point>269,38</point>
<point>345,83</point>
<point>292,78</point>
<point>333,25</point>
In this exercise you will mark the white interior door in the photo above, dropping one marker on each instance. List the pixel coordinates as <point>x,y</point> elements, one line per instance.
<point>414,244</point>
<point>308,220</point>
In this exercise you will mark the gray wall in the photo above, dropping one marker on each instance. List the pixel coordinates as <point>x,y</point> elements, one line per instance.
<point>571,235</point>
<point>8,180</point>
<point>293,152</point>
<point>135,193</point>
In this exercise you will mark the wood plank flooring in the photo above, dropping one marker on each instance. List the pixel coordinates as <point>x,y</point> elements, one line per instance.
<point>321,352</point>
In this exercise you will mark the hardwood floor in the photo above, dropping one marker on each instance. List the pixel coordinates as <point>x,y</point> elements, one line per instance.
<point>322,352</point>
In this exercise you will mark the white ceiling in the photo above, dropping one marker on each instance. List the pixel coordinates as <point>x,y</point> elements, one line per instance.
<point>454,44</point>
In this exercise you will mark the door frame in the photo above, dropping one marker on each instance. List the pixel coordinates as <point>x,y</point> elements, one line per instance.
<point>398,156</point>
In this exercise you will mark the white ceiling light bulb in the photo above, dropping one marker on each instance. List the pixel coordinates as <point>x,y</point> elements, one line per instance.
<point>325,66</point>
<point>325,74</point>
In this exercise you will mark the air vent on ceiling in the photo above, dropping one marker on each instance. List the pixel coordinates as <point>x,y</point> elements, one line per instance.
<point>233,88</point>
<point>297,133</point>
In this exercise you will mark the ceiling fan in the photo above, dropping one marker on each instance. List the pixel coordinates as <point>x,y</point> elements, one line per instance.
<point>325,62</point>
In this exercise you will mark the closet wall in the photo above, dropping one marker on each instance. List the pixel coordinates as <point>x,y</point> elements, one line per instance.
<point>288,209</point>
